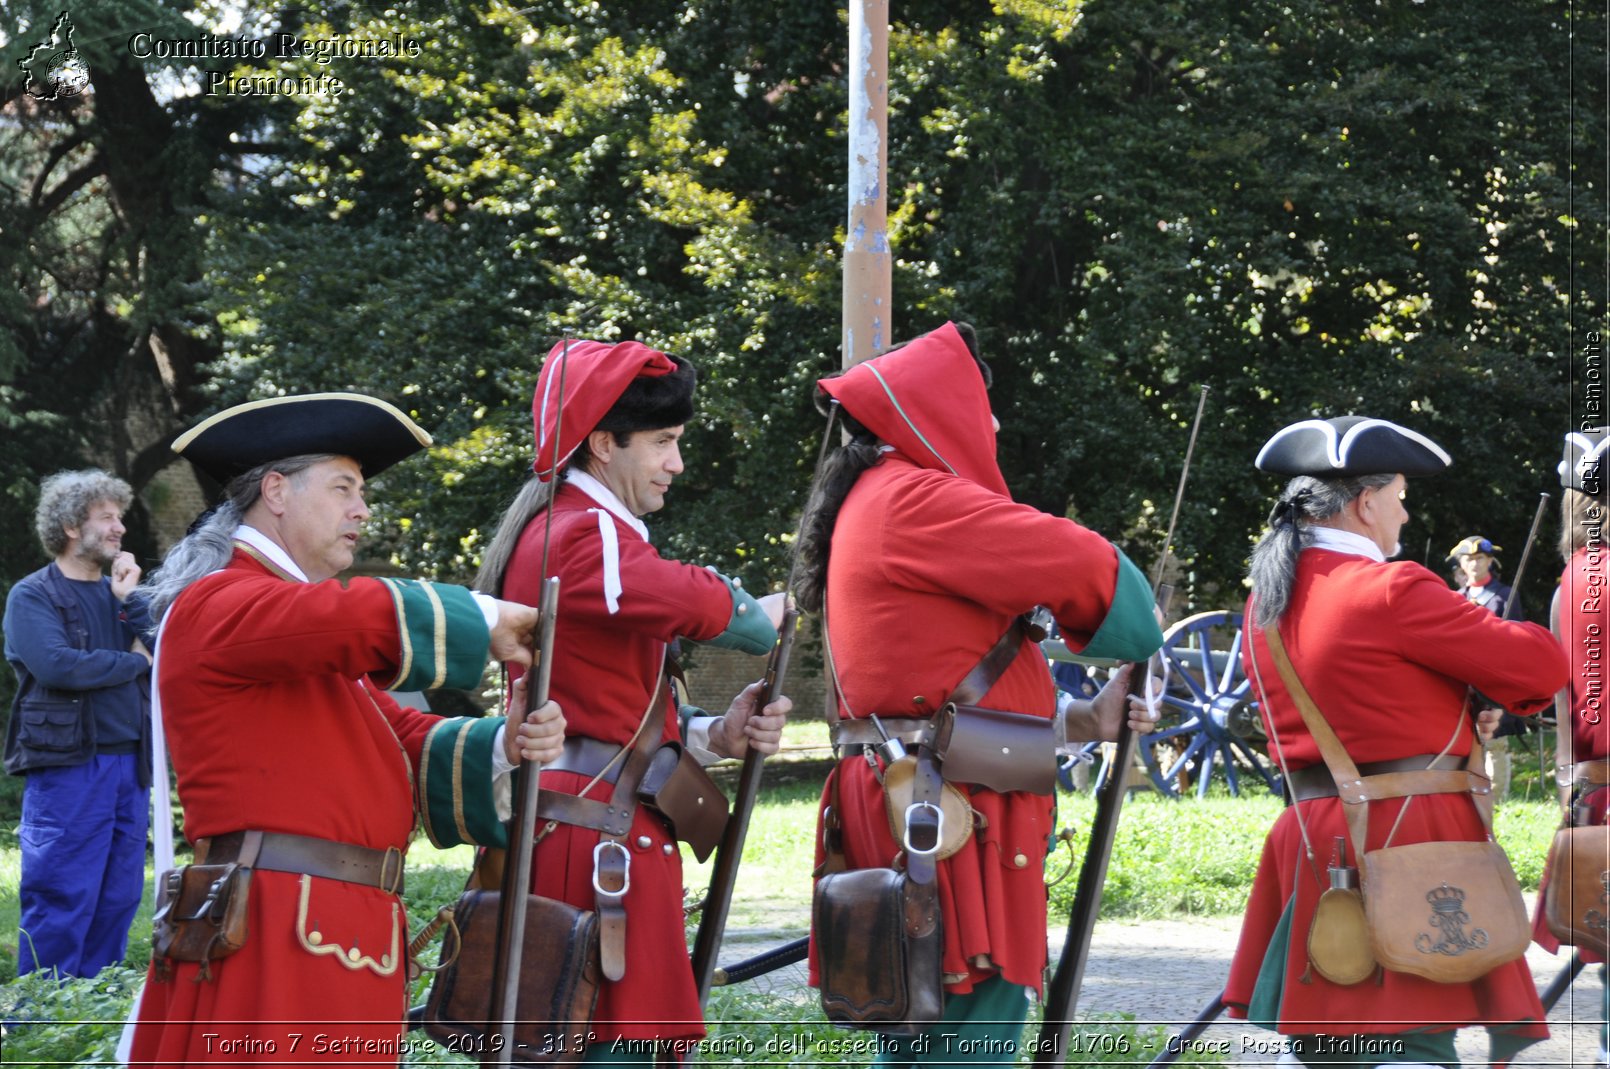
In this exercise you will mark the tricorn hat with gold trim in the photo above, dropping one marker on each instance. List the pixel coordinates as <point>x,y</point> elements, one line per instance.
<point>367,429</point>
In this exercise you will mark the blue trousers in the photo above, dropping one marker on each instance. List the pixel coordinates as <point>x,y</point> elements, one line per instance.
<point>83,864</point>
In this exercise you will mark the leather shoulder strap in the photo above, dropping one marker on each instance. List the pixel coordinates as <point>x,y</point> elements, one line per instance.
<point>984,675</point>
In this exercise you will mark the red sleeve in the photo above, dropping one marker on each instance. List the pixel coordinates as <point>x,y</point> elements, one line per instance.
<point>663,599</point>
<point>259,628</point>
<point>410,725</point>
<point>948,536</point>
<point>1518,665</point>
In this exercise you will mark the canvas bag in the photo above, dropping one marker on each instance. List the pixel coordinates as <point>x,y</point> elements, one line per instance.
<point>1446,911</point>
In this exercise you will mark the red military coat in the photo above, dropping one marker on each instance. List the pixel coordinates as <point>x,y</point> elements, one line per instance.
<point>1389,654</point>
<point>606,666</point>
<point>275,723</point>
<point>931,560</point>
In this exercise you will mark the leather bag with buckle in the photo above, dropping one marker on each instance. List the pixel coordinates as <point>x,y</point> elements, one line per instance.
<point>558,988</point>
<point>879,939</point>
<point>1447,911</point>
<point>200,914</point>
<point>994,748</point>
<point>678,788</point>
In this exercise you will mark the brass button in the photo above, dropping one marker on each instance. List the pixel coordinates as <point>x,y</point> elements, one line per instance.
<point>1020,860</point>
<point>644,842</point>
<point>315,938</point>
<point>353,954</point>
<point>668,849</point>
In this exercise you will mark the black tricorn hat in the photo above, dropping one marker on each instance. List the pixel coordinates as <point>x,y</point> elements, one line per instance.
<point>1582,467</point>
<point>1349,446</point>
<point>236,440</point>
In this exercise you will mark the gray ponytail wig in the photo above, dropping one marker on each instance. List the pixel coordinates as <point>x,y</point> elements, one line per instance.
<point>209,543</point>
<point>1274,559</point>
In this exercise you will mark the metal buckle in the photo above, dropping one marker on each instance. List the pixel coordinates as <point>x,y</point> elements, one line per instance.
<point>626,869</point>
<point>939,829</point>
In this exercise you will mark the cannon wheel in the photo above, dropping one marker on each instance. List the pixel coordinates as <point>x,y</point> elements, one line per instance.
<point>1210,724</point>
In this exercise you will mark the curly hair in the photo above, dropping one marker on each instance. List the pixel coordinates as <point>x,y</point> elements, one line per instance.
<point>66,498</point>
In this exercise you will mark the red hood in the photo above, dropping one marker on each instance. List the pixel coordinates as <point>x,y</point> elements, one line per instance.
<point>928,400</point>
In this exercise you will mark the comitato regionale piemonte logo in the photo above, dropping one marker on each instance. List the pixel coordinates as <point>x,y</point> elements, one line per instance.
<point>53,66</point>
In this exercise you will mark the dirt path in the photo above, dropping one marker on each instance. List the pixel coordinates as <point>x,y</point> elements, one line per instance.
<point>1165,972</point>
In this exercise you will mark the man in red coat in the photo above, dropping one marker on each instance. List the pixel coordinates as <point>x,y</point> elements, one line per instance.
<point>920,561</point>
<point>290,756</point>
<point>608,421</point>
<point>1582,742</point>
<point>1389,655</point>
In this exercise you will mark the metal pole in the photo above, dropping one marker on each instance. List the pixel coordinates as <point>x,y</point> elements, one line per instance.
<point>868,265</point>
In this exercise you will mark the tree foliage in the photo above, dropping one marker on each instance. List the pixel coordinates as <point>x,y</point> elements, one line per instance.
<point>1309,207</point>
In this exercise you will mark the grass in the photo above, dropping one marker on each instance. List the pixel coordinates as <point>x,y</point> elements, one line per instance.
<point>1172,858</point>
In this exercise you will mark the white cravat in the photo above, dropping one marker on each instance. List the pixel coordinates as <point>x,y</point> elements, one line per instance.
<point>1341,541</point>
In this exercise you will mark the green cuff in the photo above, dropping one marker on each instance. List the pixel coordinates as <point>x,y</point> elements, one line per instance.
<point>1129,632</point>
<point>444,636</point>
<point>748,630</point>
<point>456,801</point>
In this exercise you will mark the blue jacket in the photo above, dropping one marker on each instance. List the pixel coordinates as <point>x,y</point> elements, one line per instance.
<point>53,716</point>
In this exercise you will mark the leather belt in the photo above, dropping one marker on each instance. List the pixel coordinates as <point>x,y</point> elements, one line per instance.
<point>588,757</point>
<point>1315,781</point>
<point>909,730</point>
<point>1594,773</point>
<point>305,855</point>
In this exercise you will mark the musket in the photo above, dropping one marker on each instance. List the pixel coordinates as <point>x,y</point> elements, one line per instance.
<point>1526,555</point>
<point>507,960</point>
<point>718,900</point>
<point>1062,997</point>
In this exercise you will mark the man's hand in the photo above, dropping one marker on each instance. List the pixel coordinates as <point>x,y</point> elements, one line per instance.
<point>125,575</point>
<point>742,727</point>
<point>774,605</point>
<point>1098,719</point>
<point>139,647</point>
<point>1487,722</point>
<point>511,638</point>
<point>539,736</point>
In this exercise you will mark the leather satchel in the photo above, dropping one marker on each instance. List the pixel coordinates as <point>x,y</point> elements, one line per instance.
<point>1450,912</point>
<point>200,915</point>
<point>678,788</point>
<point>1447,911</point>
<point>994,748</point>
<point>558,987</point>
<point>879,939</point>
<point>1576,905</point>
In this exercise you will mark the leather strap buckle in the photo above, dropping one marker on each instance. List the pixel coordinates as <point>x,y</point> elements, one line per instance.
<point>612,878</point>
<point>924,831</point>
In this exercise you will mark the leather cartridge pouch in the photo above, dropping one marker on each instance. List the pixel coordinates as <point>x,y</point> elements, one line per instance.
<point>677,788</point>
<point>558,988</point>
<point>200,914</point>
<point>1576,905</point>
<point>993,748</point>
<point>879,934</point>
<point>880,940</point>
